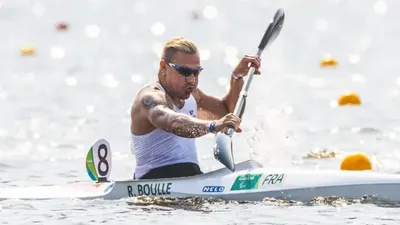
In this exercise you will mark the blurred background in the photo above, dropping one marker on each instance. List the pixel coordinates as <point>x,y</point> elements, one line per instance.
<point>69,71</point>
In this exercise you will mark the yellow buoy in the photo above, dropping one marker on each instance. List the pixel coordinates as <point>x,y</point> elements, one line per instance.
<point>328,61</point>
<point>349,99</point>
<point>356,161</point>
<point>28,51</point>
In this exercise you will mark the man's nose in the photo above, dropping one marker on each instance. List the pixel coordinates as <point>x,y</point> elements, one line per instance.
<point>191,78</point>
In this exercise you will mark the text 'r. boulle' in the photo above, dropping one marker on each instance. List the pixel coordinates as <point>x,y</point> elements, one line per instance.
<point>150,189</point>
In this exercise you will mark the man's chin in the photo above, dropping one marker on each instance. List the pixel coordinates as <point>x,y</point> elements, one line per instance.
<point>186,95</point>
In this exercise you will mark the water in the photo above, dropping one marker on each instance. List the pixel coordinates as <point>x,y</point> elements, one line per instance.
<point>80,85</point>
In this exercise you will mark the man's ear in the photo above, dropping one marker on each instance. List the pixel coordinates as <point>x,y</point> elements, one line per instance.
<point>163,64</point>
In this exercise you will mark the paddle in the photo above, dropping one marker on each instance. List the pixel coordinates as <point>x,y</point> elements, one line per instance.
<point>223,149</point>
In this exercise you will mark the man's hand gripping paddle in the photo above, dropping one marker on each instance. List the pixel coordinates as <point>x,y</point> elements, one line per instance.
<point>223,150</point>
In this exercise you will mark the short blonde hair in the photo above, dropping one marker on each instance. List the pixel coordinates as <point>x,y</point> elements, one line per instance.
<point>178,44</point>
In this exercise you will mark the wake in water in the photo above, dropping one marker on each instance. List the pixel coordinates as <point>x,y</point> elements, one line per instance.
<point>271,141</point>
<point>211,204</point>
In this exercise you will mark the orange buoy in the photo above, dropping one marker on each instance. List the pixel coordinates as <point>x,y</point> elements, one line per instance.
<point>356,161</point>
<point>328,61</point>
<point>349,99</point>
<point>28,51</point>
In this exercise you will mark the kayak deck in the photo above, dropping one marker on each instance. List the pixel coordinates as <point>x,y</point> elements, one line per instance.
<point>78,190</point>
<point>250,182</point>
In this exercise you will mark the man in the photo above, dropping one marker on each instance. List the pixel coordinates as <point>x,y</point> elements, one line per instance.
<point>168,115</point>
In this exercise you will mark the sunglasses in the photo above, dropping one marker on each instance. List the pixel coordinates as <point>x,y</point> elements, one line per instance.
<point>186,71</point>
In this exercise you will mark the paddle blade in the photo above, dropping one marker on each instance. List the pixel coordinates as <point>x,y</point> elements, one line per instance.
<point>223,151</point>
<point>99,161</point>
<point>273,30</point>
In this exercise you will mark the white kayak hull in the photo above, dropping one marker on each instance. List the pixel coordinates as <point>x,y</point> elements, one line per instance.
<point>250,182</point>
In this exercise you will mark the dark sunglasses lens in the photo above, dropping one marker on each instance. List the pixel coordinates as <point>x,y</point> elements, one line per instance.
<point>186,72</point>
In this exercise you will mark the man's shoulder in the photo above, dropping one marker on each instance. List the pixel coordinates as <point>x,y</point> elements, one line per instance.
<point>149,97</point>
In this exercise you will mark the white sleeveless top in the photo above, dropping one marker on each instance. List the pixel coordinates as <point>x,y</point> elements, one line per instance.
<point>160,148</point>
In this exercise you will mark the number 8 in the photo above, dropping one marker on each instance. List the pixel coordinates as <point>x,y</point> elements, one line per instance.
<point>102,160</point>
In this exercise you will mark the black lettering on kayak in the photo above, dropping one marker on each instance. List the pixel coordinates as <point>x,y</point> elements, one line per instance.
<point>130,194</point>
<point>140,190</point>
<point>168,190</point>
<point>154,189</point>
<point>273,179</point>
<point>146,189</point>
<point>157,190</point>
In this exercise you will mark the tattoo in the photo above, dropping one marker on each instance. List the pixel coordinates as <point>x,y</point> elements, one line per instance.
<point>156,109</point>
<point>149,102</point>
<point>165,118</point>
<point>158,112</point>
<point>185,126</point>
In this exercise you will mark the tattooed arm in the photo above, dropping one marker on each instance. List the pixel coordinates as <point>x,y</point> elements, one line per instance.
<point>154,106</point>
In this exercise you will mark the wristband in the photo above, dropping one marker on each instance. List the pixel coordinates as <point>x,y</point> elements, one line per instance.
<point>211,128</point>
<point>234,76</point>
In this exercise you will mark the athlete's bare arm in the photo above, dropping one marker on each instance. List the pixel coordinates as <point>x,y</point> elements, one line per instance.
<point>154,107</point>
<point>213,108</point>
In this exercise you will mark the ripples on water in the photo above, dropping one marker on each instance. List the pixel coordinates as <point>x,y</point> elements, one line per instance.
<point>197,210</point>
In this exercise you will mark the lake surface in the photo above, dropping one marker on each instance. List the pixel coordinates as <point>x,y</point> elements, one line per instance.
<point>81,82</point>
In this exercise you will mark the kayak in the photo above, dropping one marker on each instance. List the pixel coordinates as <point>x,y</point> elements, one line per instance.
<point>250,181</point>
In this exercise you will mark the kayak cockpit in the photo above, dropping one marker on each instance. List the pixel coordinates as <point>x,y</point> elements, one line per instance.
<point>245,165</point>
